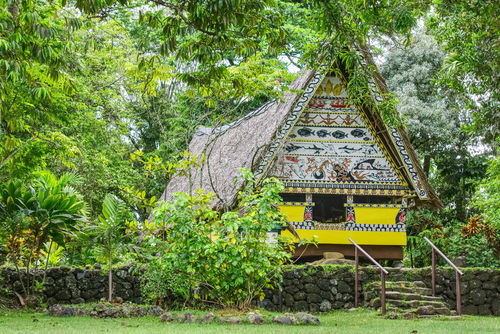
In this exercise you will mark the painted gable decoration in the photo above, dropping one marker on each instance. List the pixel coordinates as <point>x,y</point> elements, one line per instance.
<point>316,142</point>
<point>332,148</point>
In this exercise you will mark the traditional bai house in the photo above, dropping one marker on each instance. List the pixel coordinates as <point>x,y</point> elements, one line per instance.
<point>346,173</point>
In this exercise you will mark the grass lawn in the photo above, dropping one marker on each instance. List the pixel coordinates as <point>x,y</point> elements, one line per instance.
<point>361,321</point>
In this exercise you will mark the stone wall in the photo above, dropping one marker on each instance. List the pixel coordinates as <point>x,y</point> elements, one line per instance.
<point>304,288</point>
<point>324,288</point>
<point>66,285</point>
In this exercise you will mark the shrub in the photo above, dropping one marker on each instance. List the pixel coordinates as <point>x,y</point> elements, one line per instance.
<point>476,240</point>
<point>47,211</point>
<point>223,259</point>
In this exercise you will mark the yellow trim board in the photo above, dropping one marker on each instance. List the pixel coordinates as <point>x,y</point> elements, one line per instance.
<point>360,237</point>
<point>295,213</point>
<point>376,215</point>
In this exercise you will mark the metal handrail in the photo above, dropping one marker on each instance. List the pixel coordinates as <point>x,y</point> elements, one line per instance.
<point>458,273</point>
<point>383,272</point>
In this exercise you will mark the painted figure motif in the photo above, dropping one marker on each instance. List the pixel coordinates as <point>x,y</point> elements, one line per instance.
<point>401,216</point>
<point>335,169</point>
<point>329,133</point>
<point>330,119</point>
<point>308,213</point>
<point>351,217</point>
<point>338,149</point>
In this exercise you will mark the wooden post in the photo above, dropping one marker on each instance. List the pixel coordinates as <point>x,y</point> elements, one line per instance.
<point>458,294</point>
<point>280,294</point>
<point>383,272</point>
<point>457,272</point>
<point>433,274</point>
<point>382,296</point>
<point>356,278</point>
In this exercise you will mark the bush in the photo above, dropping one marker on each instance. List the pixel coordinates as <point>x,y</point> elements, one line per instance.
<point>476,241</point>
<point>223,259</point>
<point>46,212</point>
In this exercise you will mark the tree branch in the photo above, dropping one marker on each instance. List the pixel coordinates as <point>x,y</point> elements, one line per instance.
<point>4,161</point>
<point>178,11</point>
<point>109,84</point>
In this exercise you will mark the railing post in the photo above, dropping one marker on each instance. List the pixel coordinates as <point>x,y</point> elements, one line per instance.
<point>382,297</point>
<point>458,294</point>
<point>356,278</point>
<point>383,272</point>
<point>433,274</point>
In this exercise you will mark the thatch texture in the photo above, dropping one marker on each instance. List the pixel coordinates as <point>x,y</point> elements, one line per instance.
<point>241,144</point>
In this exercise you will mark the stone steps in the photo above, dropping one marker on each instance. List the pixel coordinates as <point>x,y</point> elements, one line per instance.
<point>405,287</point>
<point>413,303</point>
<point>422,291</point>
<point>410,296</point>
<point>408,300</point>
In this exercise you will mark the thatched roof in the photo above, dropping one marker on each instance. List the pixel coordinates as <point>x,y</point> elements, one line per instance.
<point>237,145</point>
<point>244,143</point>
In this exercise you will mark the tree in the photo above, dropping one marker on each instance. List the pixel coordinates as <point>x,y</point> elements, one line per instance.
<point>435,118</point>
<point>488,195</point>
<point>34,48</point>
<point>109,234</point>
<point>205,33</point>
<point>468,33</point>
<point>432,123</point>
<point>99,117</point>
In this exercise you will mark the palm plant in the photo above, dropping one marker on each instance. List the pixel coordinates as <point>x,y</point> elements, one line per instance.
<point>57,211</point>
<point>48,210</point>
<point>52,253</point>
<point>109,234</point>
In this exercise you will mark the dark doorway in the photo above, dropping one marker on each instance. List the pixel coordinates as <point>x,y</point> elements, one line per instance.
<point>329,208</point>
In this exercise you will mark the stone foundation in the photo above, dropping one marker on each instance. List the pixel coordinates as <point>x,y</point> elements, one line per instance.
<point>326,287</point>
<point>304,288</point>
<point>66,285</point>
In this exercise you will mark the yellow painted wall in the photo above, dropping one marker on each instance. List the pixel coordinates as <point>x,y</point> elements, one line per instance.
<point>364,215</point>
<point>360,237</point>
<point>295,213</point>
<point>375,215</point>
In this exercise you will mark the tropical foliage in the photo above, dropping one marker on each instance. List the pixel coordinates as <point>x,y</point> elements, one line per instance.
<point>100,99</point>
<point>227,259</point>
<point>49,210</point>
<point>109,235</point>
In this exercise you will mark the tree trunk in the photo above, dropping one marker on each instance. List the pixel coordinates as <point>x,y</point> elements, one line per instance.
<point>427,164</point>
<point>110,278</point>
<point>47,262</point>
<point>462,201</point>
<point>4,161</point>
<point>19,275</point>
<point>28,270</point>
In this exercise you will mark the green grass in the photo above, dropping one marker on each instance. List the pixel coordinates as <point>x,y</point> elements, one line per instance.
<point>361,321</point>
